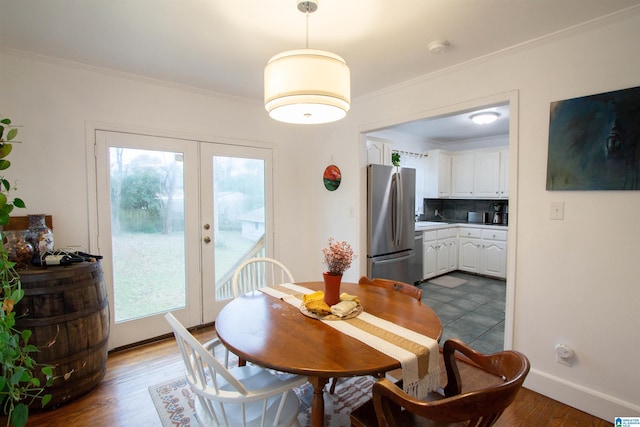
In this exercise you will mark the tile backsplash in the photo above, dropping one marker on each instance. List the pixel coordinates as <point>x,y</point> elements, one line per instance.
<point>456,209</point>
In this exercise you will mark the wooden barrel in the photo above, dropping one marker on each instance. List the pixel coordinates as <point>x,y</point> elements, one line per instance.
<point>66,308</point>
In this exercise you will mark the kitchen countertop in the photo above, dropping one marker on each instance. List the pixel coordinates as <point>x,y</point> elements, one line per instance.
<point>435,225</point>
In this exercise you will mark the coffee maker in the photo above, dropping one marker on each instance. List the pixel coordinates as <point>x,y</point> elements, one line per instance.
<point>497,213</point>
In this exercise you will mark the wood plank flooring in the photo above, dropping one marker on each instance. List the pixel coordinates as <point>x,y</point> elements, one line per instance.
<point>122,398</point>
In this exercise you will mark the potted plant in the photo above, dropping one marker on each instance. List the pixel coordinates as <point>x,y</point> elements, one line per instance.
<point>19,387</point>
<point>337,257</point>
<point>395,159</point>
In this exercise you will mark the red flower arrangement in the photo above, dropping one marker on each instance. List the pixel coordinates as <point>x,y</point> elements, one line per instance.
<point>338,257</point>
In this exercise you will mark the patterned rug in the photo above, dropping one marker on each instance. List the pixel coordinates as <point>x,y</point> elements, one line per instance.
<point>174,401</point>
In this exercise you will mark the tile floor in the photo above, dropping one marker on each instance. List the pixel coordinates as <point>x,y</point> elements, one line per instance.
<point>472,312</point>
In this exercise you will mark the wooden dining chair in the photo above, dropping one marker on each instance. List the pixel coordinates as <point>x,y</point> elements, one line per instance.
<point>239,396</point>
<point>479,388</point>
<point>257,273</point>
<point>403,288</point>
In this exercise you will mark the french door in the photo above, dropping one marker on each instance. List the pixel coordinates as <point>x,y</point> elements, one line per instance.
<point>174,219</point>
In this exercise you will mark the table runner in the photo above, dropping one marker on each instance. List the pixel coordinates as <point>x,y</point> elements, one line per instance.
<point>417,353</point>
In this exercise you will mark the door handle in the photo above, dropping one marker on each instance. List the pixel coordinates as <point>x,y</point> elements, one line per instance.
<point>207,239</point>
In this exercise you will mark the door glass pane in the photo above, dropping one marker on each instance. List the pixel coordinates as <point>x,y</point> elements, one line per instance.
<point>147,230</point>
<point>239,216</point>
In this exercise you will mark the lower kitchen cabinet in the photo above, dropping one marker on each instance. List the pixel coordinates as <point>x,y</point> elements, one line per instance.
<point>483,251</point>
<point>440,254</point>
<point>493,257</point>
<point>429,254</point>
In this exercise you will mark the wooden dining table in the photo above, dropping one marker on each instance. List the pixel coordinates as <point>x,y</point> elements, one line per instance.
<point>272,333</point>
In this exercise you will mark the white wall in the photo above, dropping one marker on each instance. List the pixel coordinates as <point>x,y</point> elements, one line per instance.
<point>575,281</point>
<point>53,101</point>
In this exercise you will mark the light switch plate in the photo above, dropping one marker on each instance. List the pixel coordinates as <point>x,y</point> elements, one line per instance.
<point>557,210</point>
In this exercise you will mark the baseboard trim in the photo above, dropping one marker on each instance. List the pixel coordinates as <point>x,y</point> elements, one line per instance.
<point>583,398</point>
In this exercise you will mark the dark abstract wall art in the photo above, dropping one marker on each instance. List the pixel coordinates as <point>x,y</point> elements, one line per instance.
<point>593,142</point>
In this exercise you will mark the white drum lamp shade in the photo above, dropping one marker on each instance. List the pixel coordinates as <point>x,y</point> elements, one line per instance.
<point>307,86</point>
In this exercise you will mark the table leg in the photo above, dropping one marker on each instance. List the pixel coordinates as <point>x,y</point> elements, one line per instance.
<point>317,404</point>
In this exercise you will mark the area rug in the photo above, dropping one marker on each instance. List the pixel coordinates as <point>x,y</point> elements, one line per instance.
<point>447,281</point>
<point>174,400</point>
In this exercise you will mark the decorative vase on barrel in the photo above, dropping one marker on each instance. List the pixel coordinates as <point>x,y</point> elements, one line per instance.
<point>332,288</point>
<point>39,235</point>
<point>18,249</point>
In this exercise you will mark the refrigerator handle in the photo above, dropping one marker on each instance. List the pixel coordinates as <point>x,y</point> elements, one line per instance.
<point>399,205</point>
<point>393,212</point>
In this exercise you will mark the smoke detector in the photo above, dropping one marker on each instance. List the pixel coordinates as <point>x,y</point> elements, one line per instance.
<point>438,47</point>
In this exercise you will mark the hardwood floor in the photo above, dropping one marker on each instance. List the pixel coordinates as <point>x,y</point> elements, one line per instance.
<point>122,398</point>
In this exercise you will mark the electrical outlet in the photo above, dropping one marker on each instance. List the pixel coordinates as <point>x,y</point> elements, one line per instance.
<point>564,355</point>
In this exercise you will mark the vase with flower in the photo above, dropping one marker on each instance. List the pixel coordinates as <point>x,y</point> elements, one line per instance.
<point>337,258</point>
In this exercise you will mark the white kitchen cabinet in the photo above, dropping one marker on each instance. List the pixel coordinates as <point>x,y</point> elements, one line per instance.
<point>486,174</point>
<point>429,255</point>
<point>483,251</point>
<point>462,175</point>
<point>452,246</point>
<point>437,176</point>
<point>469,247</point>
<point>378,151</point>
<point>440,251</point>
<point>493,259</point>
<point>481,174</point>
<point>504,174</point>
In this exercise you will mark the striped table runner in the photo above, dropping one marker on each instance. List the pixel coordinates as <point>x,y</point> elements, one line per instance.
<point>417,353</point>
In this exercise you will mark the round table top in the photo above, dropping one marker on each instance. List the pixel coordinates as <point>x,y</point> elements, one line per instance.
<point>273,333</point>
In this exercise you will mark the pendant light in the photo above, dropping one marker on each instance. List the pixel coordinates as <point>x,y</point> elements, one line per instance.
<point>307,86</point>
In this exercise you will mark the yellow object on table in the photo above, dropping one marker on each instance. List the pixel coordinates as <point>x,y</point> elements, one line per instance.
<point>314,302</point>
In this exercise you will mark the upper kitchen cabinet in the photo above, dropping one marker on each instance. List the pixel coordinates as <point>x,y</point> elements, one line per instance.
<point>481,174</point>
<point>437,175</point>
<point>462,175</point>
<point>378,151</point>
<point>486,173</point>
<point>504,173</point>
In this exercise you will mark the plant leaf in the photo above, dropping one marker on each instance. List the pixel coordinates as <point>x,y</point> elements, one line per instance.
<point>46,399</point>
<point>4,164</point>
<point>5,121</point>
<point>12,134</point>
<point>5,150</point>
<point>20,415</point>
<point>19,203</point>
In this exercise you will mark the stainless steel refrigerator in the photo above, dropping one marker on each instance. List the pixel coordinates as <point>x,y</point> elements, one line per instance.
<point>390,222</point>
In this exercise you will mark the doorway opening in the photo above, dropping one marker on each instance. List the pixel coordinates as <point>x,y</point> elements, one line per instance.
<point>449,130</point>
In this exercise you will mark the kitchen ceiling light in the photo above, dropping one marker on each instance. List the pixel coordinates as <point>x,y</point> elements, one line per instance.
<point>484,118</point>
<point>307,86</point>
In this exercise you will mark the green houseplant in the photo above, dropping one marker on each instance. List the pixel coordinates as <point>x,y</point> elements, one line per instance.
<point>19,387</point>
<point>395,159</point>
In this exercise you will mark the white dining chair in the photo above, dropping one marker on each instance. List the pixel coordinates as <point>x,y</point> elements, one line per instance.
<point>244,396</point>
<point>256,273</point>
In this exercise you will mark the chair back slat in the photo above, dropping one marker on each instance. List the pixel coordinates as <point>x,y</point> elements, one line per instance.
<point>256,273</point>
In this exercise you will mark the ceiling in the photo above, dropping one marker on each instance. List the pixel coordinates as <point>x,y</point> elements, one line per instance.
<point>456,127</point>
<point>223,45</point>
